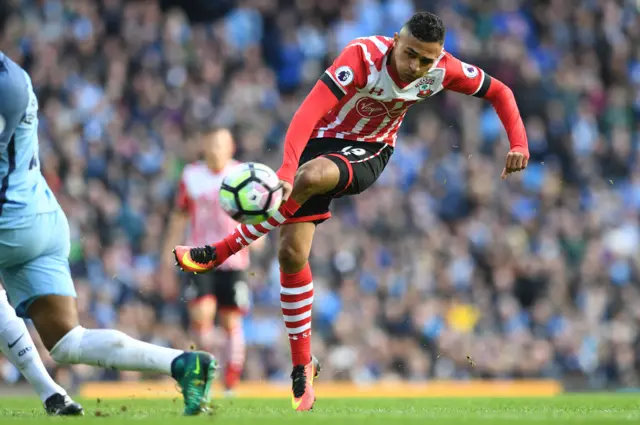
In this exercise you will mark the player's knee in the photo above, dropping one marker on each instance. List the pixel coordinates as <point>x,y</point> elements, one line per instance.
<point>67,349</point>
<point>231,320</point>
<point>291,258</point>
<point>317,176</point>
<point>54,317</point>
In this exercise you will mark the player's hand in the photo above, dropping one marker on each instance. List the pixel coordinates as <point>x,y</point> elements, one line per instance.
<point>286,190</point>
<point>516,161</point>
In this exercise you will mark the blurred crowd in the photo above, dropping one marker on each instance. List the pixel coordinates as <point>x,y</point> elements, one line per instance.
<point>441,270</point>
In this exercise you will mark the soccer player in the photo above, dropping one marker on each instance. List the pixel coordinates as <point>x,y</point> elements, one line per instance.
<point>34,268</point>
<point>225,289</point>
<point>338,143</point>
<point>17,346</point>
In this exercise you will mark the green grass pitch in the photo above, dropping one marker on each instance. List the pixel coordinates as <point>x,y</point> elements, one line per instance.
<point>568,409</point>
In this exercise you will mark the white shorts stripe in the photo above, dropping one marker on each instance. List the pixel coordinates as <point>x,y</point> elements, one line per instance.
<point>370,157</point>
<point>300,329</point>
<point>297,304</point>
<point>296,291</point>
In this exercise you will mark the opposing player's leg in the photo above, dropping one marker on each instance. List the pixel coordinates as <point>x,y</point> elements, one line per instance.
<point>41,289</point>
<point>296,299</point>
<point>202,307</point>
<point>16,344</point>
<point>315,177</point>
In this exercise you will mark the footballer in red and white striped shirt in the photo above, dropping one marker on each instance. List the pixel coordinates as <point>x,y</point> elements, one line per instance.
<point>198,213</point>
<point>338,143</point>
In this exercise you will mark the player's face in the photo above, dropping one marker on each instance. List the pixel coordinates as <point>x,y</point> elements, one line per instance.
<point>219,148</point>
<point>413,58</point>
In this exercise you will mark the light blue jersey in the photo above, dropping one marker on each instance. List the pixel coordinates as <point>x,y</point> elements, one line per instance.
<point>34,232</point>
<point>23,189</point>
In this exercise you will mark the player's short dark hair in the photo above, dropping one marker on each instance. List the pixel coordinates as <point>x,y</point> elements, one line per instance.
<point>426,26</point>
<point>211,128</point>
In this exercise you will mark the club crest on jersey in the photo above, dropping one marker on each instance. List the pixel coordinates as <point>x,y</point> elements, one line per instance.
<point>424,87</point>
<point>344,74</point>
<point>424,90</point>
<point>371,108</point>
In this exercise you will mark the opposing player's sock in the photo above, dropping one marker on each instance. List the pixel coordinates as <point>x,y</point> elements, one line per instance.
<point>236,356</point>
<point>16,344</point>
<point>201,259</point>
<point>112,349</point>
<point>296,299</point>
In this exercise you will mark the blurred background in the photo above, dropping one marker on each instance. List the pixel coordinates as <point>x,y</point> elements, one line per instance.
<point>441,270</point>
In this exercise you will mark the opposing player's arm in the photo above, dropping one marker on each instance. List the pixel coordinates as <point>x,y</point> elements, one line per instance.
<point>178,222</point>
<point>14,99</point>
<point>344,76</point>
<point>473,81</point>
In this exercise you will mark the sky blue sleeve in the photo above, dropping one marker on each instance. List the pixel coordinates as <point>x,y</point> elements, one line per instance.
<point>14,98</point>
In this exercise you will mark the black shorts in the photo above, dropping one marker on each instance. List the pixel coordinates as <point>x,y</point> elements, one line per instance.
<point>228,287</point>
<point>360,164</point>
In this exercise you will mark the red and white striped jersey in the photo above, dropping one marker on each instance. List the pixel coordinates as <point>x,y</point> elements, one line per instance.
<point>373,102</point>
<point>208,222</point>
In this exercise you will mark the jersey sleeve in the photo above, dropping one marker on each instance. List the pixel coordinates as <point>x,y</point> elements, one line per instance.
<point>464,78</point>
<point>13,102</point>
<point>348,72</point>
<point>183,200</point>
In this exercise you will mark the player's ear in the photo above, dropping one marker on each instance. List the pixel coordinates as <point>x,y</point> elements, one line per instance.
<point>395,38</point>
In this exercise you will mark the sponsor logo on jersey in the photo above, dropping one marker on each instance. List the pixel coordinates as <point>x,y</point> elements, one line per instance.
<point>371,108</point>
<point>344,74</point>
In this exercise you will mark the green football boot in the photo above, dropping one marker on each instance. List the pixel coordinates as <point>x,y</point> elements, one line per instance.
<point>194,371</point>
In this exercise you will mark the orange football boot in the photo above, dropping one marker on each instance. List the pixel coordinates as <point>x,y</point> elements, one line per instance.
<point>195,259</point>
<point>302,385</point>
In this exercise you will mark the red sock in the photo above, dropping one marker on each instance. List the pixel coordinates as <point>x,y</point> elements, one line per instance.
<point>245,234</point>
<point>236,356</point>
<point>296,299</point>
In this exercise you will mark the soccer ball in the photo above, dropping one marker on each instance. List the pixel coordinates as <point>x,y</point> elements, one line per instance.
<point>250,193</point>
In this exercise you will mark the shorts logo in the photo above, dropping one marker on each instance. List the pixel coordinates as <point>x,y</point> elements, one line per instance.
<point>469,70</point>
<point>371,108</point>
<point>344,74</point>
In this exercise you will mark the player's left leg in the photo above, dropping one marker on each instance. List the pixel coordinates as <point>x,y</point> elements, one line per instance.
<point>17,345</point>
<point>296,300</point>
<point>41,289</point>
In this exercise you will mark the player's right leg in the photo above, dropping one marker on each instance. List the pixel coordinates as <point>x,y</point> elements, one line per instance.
<point>41,289</point>
<point>317,176</point>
